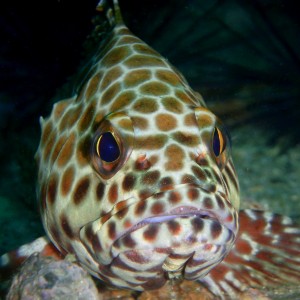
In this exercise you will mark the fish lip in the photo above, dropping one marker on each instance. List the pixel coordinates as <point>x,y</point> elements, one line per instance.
<point>185,210</point>
<point>189,211</point>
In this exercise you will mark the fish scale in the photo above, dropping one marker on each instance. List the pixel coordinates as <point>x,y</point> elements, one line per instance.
<point>136,180</point>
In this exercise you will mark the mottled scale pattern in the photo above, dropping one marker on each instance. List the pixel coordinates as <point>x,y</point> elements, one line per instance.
<point>167,207</point>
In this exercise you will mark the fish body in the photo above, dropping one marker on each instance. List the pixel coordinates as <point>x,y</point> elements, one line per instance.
<point>166,200</point>
<point>136,180</point>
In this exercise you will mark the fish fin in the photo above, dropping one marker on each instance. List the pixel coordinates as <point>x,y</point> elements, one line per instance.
<point>115,18</point>
<point>10,261</point>
<point>266,254</point>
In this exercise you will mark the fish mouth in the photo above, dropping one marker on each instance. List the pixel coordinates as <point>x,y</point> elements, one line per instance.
<point>164,220</point>
<point>211,206</point>
<point>175,213</point>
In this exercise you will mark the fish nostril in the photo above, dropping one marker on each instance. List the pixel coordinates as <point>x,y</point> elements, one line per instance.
<point>142,163</point>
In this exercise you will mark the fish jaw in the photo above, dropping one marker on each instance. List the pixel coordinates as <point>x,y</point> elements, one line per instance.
<point>184,240</point>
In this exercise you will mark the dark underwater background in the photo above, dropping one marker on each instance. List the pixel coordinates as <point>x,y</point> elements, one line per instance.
<point>242,56</point>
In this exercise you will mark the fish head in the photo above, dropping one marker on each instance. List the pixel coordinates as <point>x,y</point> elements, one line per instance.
<point>135,173</point>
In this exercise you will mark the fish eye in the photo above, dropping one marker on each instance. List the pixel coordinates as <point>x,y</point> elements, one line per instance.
<point>107,147</point>
<point>220,145</point>
<point>111,145</point>
<point>218,142</point>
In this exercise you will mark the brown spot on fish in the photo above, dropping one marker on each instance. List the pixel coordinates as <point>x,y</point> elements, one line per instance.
<point>81,190</point>
<point>186,138</point>
<point>93,85</point>
<point>193,194</point>
<point>47,129</point>
<point>135,257</point>
<point>205,121</point>
<point>67,180</point>
<point>128,241</point>
<point>87,117</point>
<point>136,77</point>
<point>186,179</point>
<point>140,208</point>
<point>174,227</point>
<point>202,161</point>
<point>110,93</point>
<point>151,232</point>
<point>197,224</point>
<point>49,145</point>
<point>66,151</point>
<point>71,116</point>
<point>216,230</point>
<point>129,182</point>
<point>121,214</point>
<point>174,197</point>
<point>144,49</point>
<point>150,178</point>
<point>140,122</point>
<point>111,230</point>
<point>175,156</point>
<point>144,194</point>
<point>65,225</point>
<point>141,61</point>
<point>157,208</point>
<point>52,188</point>
<point>111,75</point>
<point>184,97</point>
<point>190,119</point>
<point>151,141</point>
<point>146,105</point>
<point>128,40</point>
<point>172,104</point>
<point>166,122</point>
<point>220,202</point>
<point>166,183</point>
<point>198,172</point>
<point>83,151</point>
<point>207,203</point>
<point>123,100</point>
<point>59,109</point>
<point>168,76</point>
<point>57,148</point>
<point>115,56</point>
<point>113,193</point>
<point>155,88</point>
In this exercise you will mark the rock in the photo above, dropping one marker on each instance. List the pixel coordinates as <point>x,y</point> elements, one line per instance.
<point>46,278</point>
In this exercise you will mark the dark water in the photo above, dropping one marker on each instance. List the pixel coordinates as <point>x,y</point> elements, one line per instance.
<point>242,56</point>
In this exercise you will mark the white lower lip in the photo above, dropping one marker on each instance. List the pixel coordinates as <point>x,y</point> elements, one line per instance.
<point>179,212</point>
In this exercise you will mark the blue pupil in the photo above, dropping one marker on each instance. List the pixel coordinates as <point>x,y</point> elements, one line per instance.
<point>108,147</point>
<point>216,143</point>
